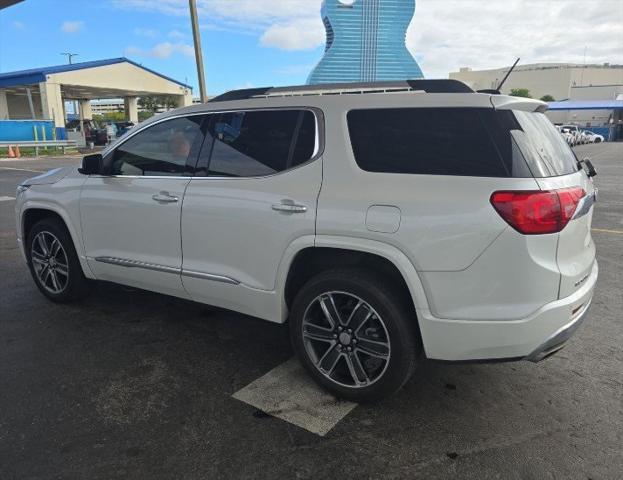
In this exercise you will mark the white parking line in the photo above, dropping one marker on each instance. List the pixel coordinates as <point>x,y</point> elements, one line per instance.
<point>287,392</point>
<point>22,170</point>
<point>6,199</point>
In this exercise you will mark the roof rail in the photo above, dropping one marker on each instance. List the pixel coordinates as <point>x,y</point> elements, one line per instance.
<point>427,86</point>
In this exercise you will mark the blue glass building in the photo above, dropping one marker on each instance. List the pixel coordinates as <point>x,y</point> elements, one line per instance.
<point>366,42</point>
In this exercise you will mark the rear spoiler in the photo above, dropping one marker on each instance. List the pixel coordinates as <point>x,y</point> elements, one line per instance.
<point>505,102</point>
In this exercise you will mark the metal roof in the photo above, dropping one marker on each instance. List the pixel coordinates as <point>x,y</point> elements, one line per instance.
<point>37,75</point>
<point>586,105</point>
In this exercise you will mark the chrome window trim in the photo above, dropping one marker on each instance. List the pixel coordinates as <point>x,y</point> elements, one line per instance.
<point>121,262</point>
<point>319,141</point>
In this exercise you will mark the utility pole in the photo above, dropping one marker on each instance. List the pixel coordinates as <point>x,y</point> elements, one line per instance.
<point>70,56</point>
<point>198,55</point>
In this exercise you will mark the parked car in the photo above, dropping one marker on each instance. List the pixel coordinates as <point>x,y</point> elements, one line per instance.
<point>90,129</point>
<point>124,127</point>
<point>593,137</point>
<point>576,132</point>
<point>383,227</point>
<point>567,135</point>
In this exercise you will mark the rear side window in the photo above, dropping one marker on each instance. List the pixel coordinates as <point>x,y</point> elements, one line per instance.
<point>259,143</point>
<point>427,141</point>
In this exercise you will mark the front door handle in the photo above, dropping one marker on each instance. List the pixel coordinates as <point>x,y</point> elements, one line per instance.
<point>289,207</point>
<point>165,197</point>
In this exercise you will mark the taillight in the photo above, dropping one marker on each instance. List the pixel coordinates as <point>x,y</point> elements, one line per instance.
<point>537,212</point>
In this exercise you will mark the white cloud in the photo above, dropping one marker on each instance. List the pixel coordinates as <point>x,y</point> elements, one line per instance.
<point>177,34</point>
<point>300,34</point>
<point>72,26</point>
<point>146,32</point>
<point>448,34</point>
<point>19,25</point>
<point>161,50</point>
<point>444,35</point>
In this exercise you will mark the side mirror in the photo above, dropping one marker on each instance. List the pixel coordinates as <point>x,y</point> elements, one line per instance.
<point>91,164</point>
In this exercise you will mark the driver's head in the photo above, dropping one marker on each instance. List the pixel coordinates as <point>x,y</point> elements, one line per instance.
<point>179,144</point>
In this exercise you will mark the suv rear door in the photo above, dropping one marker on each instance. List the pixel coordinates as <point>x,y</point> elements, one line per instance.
<point>255,193</point>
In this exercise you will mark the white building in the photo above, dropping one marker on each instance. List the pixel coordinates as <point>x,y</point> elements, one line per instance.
<point>555,79</point>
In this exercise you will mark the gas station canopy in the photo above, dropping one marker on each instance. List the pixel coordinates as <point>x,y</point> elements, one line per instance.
<point>40,93</point>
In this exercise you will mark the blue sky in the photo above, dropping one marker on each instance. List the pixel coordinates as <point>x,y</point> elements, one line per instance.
<point>34,33</point>
<point>277,42</point>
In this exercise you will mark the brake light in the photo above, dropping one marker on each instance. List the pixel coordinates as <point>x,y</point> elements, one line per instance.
<point>536,212</point>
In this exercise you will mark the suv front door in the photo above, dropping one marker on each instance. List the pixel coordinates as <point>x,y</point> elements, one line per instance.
<point>131,216</point>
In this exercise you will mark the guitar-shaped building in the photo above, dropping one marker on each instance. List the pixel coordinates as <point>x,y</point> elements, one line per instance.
<point>366,42</point>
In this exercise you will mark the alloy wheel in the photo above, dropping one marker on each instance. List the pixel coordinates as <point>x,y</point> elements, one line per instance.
<point>50,262</point>
<point>346,339</point>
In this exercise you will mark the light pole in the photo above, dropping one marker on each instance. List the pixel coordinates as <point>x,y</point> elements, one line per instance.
<point>198,55</point>
<point>70,56</point>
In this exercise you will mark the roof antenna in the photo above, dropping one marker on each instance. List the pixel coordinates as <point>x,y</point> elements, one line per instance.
<point>499,89</point>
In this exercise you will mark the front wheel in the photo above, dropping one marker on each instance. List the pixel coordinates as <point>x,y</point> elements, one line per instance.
<point>355,334</point>
<point>53,262</point>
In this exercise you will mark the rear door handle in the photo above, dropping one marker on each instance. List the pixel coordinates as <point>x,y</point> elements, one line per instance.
<point>165,197</point>
<point>289,207</point>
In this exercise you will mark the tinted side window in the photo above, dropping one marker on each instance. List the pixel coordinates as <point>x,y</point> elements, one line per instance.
<point>430,141</point>
<point>162,149</point>
<point>259,143</point>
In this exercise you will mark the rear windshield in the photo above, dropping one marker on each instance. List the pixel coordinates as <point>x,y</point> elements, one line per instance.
<point>475,142</point>
<point>545,150</point>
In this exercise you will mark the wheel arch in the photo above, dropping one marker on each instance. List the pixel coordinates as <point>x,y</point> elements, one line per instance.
<point>34,212</point>
<point>329,252</point>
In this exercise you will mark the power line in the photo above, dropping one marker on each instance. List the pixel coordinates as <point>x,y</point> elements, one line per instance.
<point>69,56</point>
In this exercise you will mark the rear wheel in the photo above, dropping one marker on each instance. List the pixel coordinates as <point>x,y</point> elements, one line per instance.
<point>354,334</point>
<point>53,262</point>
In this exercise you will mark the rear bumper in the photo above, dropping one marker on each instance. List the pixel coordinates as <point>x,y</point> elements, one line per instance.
<point>532,338</point>
<point>558,339</point>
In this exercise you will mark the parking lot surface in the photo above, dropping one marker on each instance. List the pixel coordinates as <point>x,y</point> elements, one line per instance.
<point>130,384</point>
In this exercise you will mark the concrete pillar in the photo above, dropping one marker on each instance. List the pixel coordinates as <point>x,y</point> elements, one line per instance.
<point>131,108</point>
<point>185,100</point>
<point>52,103</point>
<point>86,110</point>
<point>4,106</point>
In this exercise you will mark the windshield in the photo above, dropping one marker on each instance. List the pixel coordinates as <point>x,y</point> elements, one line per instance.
<point>545,150</point>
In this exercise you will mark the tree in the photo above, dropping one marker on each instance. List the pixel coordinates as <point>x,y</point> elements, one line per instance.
<point>148,103</point>
<point>152,103</point>
<point>142,116</point>
<point>110,117</point>
<point>548,98</point>
<point>520,92</point>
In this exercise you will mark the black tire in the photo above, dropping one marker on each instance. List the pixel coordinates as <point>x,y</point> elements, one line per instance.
<point>597,140</point>
<point>388,304</point>
<point>75,284</point>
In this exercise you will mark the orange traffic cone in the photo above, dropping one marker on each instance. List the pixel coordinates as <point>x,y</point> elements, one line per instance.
<point>11,154</point>
<point>17,153</point>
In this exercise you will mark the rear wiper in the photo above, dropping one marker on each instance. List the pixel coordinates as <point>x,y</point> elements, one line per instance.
<point>586,165</point>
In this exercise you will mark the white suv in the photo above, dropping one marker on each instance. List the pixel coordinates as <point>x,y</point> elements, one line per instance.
<point>384,222</point>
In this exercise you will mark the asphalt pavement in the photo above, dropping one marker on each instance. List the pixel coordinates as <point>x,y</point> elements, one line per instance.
<point>130,384</point>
